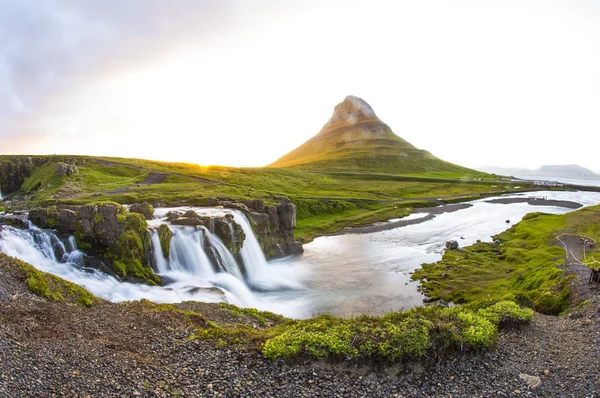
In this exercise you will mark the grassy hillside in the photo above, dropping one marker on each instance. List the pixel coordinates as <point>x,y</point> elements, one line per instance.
<point>326,201</point>
<point>356,140</point>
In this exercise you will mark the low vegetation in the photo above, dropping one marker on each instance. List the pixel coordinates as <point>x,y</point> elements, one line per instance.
<point>128,255</point>
<point>523,265</point>
<point>48,286</point>
<point>432,331</point>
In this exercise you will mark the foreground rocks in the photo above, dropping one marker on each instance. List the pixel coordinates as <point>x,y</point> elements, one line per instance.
<point>114,350</point>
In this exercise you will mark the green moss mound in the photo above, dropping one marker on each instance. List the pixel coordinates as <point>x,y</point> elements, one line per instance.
<point>129,254</point>
<point>165,235</point>
<point>49,286</point>
<point>393,337</point>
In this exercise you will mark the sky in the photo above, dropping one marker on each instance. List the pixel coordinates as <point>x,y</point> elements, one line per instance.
<point>242,82</point>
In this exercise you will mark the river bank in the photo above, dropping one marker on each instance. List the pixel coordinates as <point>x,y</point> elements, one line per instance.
<point>56,349</point>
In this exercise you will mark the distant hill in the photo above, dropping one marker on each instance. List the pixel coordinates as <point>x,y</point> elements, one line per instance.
<point>558,171</point>
<point>355,139</point>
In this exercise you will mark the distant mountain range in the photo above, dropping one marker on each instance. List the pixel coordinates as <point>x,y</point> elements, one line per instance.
<point>557,171</point>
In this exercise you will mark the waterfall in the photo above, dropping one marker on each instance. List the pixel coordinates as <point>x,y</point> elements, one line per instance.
<point>252,254</point>
<point>35,246</point>
<point>1,197</point>
<point>189,273</point>
<point>187,252</point>
<point>225,260</point>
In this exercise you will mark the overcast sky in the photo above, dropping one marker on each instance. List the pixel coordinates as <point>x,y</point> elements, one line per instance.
<point>508,83</point>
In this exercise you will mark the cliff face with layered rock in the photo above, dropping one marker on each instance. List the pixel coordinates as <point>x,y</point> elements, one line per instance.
<point>15,170</point>
<point>109,231</point>
<point>274,227</point>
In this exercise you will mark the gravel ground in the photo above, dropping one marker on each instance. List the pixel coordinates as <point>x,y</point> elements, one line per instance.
<point>126,350</point>
<point>538,202</point>
<point>385,226</point>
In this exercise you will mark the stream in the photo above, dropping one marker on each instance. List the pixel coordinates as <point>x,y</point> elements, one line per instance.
<point>342,275</point>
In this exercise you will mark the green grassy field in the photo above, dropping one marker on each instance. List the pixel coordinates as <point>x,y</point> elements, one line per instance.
<point>524,267</point>
<point>326,201</point>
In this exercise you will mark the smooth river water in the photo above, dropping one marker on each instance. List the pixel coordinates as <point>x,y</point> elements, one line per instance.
<point>370,273</point>
<point>341,275</point>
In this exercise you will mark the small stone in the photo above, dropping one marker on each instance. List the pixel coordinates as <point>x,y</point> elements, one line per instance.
<point>546,372</point>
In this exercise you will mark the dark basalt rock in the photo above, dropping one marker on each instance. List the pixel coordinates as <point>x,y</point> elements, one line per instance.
<point>231,233</point>
<point>274,227</point>
<point>108,231</point>
<point>144,209</point>
<point>452,245</point>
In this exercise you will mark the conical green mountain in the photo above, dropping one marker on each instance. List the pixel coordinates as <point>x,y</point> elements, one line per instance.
<point>354,139</point>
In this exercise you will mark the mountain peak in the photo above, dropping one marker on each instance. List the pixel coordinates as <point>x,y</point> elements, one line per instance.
<point>355,139</point>
<point>350,111</point>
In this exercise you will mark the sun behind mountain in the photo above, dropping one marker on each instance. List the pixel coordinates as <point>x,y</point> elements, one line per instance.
<point>355,139</point>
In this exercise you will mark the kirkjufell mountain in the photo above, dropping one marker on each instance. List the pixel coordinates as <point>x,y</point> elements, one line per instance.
<point>355,139</point>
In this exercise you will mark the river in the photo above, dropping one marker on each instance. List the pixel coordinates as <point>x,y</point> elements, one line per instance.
<point>341,275</point>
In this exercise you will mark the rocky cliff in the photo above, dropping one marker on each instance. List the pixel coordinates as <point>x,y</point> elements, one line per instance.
<point>274,227</point>
<point>109,232</point>
<point>14,170</point>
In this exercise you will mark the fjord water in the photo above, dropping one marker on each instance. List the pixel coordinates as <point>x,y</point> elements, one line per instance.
<point>342,275</point>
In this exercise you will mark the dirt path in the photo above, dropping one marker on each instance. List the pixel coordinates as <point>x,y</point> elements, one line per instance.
<point>581,288</point>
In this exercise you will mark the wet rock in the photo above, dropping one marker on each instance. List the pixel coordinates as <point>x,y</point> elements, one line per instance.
<point>274,228</point>
<point>14,220</point>
<point>231,233</point>
<point>451,245</point>
<point>190,219</point>
<point>144,209</point>
<point>173,215</point>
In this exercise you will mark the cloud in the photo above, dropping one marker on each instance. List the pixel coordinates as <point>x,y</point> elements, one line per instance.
<point>51,47</point>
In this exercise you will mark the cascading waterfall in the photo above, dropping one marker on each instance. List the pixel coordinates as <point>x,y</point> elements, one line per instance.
<point>189,273</point>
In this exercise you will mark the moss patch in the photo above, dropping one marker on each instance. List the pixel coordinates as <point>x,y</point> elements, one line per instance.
<point>129,254</point>
<point>49,286</point>
<point>431,331</point>
<point>165,235</point>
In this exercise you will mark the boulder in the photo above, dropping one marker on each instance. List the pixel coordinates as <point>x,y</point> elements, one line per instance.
<point>64,169</point>
<point>231,233</point>
<point>190,219</point>
<point>14,220</point>
<point>144,209</point>
<point>451,245</point>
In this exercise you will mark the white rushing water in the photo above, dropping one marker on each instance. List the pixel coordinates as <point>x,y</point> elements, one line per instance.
<point>342,275</point>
